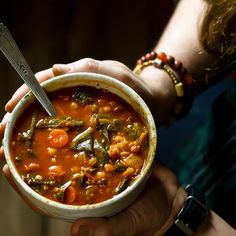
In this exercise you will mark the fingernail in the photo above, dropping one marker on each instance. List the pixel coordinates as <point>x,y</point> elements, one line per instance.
<point>83,230</point>
<point>60,68</point>
<point>7,106</point>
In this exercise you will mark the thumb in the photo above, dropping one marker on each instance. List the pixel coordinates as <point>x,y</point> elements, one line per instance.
<point>119,225</point>
<point>150,214</point>
<point>83,65</point>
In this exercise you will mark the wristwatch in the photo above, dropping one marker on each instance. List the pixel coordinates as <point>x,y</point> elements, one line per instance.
<point>191,215</point>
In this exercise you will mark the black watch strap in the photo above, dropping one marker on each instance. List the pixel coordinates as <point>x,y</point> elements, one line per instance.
<point>191,215</point>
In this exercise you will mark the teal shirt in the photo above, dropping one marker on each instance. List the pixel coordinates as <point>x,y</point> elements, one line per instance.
<point>208,158</point>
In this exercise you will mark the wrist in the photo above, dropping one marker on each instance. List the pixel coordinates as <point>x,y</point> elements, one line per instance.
<point>177,204</point>
<point>185,86</point>
<point>162,90</point>
<point>215,225</point>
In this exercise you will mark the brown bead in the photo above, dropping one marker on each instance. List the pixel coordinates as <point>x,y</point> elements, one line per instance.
<point>170,60</point>
<point>158,63</point>
<point>148,57</point>
<point>139,62</point>
<point>178,65</point>
<point>153,55</point>
<point>143,59</point>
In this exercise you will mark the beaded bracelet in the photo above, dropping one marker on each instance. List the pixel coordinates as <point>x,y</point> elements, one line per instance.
<point>183,82</point>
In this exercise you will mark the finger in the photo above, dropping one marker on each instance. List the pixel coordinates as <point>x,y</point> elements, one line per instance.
<point>111,68</point>
<point>2,129</point>
<point>3,125</point>
<point>154,203</point>
<point>9,178</point>
<point>89,65</point>
<point>2,156</point>
<point>5,119</point>
<point>44,75</point>
<point>135,220</point>
<point>90,226</point>
<point>21,91</point>
<point>83,65</point>
<point>107,67</point>
<point>97,226</point>
<point>124,223</point>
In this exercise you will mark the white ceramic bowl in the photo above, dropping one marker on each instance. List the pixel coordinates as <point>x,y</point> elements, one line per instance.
<point>108,207</point>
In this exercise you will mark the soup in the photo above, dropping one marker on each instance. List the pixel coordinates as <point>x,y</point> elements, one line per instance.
<point>92,150</point>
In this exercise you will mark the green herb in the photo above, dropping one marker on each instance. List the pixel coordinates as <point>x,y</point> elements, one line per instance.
<point>134,130</point>
<point>27,136</point>
<point>120,167</point>
<point>101,153</point>
<point>107,125</point>
<point>81,180</point>
<point>59,196</point>
<point>60,122</point>
<point>83,97</point>
<point>37,182</point>
<point>104,115</point>
<point>110,124</point>
<point>83,141</point>
<point>33,180</point>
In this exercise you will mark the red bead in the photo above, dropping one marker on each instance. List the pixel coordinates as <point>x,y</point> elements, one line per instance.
<point>162,56</point>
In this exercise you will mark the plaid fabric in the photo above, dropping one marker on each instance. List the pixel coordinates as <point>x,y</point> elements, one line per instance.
<point>207,158</point>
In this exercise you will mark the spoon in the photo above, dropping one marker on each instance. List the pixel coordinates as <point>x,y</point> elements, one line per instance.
<point>11,51</point>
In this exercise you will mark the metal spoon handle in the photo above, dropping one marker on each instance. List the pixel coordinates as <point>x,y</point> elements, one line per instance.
<point>11,51</point>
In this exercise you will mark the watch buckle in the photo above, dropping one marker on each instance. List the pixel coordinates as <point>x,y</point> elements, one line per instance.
<point>184,227</point>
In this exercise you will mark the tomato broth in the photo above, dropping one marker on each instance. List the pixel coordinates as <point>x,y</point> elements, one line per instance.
<point>90,151</point>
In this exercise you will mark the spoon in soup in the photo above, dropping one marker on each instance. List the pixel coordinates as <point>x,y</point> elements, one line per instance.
<point>11,51</point>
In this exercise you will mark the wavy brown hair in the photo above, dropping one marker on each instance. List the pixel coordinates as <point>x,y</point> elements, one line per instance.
<point>219,30</point>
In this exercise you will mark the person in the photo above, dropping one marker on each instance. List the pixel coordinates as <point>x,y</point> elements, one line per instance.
<point>155,211</point>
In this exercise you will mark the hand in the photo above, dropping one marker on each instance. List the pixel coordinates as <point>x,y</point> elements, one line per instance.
<point>159,98</point>
<point>151,214</point>
<point>20,92</point>
<point>153,86</point>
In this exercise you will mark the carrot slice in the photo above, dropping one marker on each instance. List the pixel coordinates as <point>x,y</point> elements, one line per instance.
<point>58,137</point>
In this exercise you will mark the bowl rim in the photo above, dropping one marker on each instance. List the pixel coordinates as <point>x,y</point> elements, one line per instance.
<point>73,78</point>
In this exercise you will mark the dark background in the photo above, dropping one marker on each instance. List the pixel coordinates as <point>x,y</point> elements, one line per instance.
<point>62,31</point>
